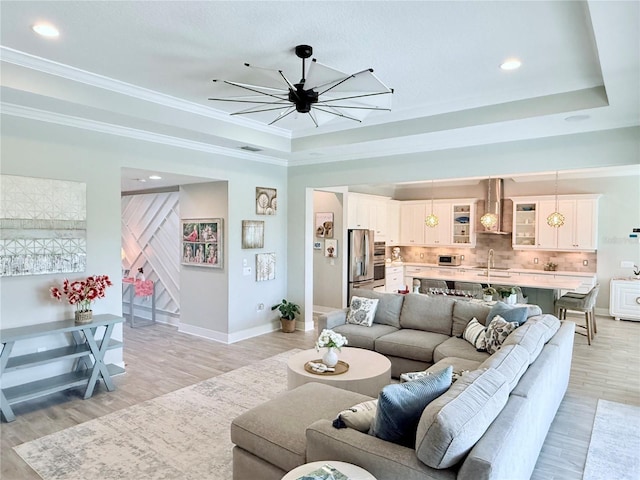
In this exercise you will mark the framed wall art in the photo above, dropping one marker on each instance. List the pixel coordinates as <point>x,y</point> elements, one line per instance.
<point>324,225</point>
<point>265,266</point>
<point>266,201</point>
<point>252,234</point>
<point>331,248</point>
<point>202,242</point>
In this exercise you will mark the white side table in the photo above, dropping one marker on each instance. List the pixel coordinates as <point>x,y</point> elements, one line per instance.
<point>352,471</point>
<point>368,371</point>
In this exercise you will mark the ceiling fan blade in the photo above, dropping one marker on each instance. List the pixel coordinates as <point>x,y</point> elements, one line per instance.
<point>337,113</point>
<point>313,117</point>
<point>258,110</point>
<point>283,115</point>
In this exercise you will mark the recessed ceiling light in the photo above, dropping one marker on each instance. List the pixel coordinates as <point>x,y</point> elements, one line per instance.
<point>155,177</point>
<point>46,30</point>
<point>577,118</point>
<point>511,64</point>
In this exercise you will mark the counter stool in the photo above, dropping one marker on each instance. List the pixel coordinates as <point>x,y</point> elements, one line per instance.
<point>474,288</point>
<point>581,303</point>
<point>426,284</point>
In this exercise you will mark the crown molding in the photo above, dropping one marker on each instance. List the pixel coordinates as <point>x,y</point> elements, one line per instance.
<point>118,130</point>
<point>50,67</point>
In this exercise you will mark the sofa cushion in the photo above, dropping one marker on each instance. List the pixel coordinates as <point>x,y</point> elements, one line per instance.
<point>424,312</point>
<point>552,323</point>
<point>511,313</point>
<point>359,417</point>
<point>459,365</point>
<point>511,361</point>
<point>474,333</point>
<point>458,347</point>
<point>275,430</point>
<point>411,344</point>
<point>389,306</point>
<point>497,332</point>
<point>463,312</point>
<point>451,424</point>
<point>531,336</point>
<point>363,337</point>
<point>362,310</point>
<point>400,407</point>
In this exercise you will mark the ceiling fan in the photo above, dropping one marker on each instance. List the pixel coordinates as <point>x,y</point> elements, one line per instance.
<point>322,93</point>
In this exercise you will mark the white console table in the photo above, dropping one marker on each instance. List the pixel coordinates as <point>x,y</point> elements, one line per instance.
<point>86,350</point>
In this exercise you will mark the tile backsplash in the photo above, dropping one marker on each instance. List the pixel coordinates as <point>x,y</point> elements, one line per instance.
<point>505,255</point>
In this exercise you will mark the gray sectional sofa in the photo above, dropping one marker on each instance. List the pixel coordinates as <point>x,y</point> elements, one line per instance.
<point>490,424</point>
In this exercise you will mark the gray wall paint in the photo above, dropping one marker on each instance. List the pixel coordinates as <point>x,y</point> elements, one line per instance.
<point>327,272</point>
<point>25,300</point>
<point>204,291</point>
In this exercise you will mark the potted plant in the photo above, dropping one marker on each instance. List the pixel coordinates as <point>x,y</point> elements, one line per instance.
<point>488,293</point>
<point>508,294</point>
<point>288,311</point>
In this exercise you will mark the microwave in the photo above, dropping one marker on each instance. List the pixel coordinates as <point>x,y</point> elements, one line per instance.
<point>451,260</point>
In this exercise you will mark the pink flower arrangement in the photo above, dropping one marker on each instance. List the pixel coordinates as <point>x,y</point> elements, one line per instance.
<point>82,293</point>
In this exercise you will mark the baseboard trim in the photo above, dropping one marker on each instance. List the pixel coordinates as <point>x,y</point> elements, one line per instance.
<point>228,338</point>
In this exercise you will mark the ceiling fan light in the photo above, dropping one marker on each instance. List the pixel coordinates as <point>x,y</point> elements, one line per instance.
<point>431,220</point>
<point>489,220</point>
<point>556,219</point>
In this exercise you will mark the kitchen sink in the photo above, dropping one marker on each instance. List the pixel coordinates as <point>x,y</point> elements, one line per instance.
<point>484,267</point>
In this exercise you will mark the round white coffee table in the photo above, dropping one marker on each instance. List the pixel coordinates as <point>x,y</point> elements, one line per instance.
<point>368,371</point>
<point>352,471</point>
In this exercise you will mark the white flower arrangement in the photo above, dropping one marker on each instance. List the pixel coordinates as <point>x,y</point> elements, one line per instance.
<point>329,338</point>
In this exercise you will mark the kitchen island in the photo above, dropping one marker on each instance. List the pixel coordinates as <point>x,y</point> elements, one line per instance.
<point>542,287</point>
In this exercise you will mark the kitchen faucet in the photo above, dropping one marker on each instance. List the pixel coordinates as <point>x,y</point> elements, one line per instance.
<point>490,261</point>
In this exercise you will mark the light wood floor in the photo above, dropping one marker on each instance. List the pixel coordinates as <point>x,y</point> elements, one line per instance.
<point>160,360</point>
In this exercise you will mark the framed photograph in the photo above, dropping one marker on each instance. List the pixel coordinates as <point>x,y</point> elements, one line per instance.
<point>266,201</point>
<point>252,234</point>
<point>265,266</point>
<point>324,224</point>
<point>331,248</point>
<point>202,242</point>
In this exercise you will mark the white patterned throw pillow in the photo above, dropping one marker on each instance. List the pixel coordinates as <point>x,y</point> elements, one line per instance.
<point>362,310</point>
<point>497,332</point>
<point>474,333</point>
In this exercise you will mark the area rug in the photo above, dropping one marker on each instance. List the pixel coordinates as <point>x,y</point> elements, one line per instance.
<point>181,435</point>
<point>615,443</point>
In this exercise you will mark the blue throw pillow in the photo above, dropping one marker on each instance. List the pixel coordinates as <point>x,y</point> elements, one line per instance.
<point>510,313</point>
<point>400,407</point>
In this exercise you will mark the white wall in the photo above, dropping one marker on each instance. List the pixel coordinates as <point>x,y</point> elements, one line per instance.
<point>590,150</point>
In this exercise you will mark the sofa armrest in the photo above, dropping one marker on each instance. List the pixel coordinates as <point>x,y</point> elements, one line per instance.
<point>332,319</point>
<point>384,460</point>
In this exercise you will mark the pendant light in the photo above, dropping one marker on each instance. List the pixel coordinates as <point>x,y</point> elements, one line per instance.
<point>489,220</point>
<point>431,220</point>
<point>556,219</point>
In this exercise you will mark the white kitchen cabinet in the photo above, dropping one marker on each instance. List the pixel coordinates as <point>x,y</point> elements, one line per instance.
<point>579,232</point>
<point>393,222</point>
<point>368,211</point>
<point>441,234</point>
<point>455,223</point>
<point>394,279</point>
<point>412,229</point>
<point>624,299</point>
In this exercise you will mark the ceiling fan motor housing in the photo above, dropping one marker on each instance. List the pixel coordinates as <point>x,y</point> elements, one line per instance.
<point>303,99</point>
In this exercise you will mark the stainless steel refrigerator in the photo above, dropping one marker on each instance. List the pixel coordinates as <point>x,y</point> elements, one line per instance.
<point>360,260</point>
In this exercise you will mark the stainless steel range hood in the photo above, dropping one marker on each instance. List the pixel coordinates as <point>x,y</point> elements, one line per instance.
<point>493,205</point>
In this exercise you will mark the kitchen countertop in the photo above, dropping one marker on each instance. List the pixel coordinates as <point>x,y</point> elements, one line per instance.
<point>472,268</point>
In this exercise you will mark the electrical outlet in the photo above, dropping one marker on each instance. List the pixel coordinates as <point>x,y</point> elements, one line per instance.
<point>246,271</point>
<point>535,260</point>
<point>422,255</point>
<point>461,257</point>
<point>585,263</point>
<point>260,307</point>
